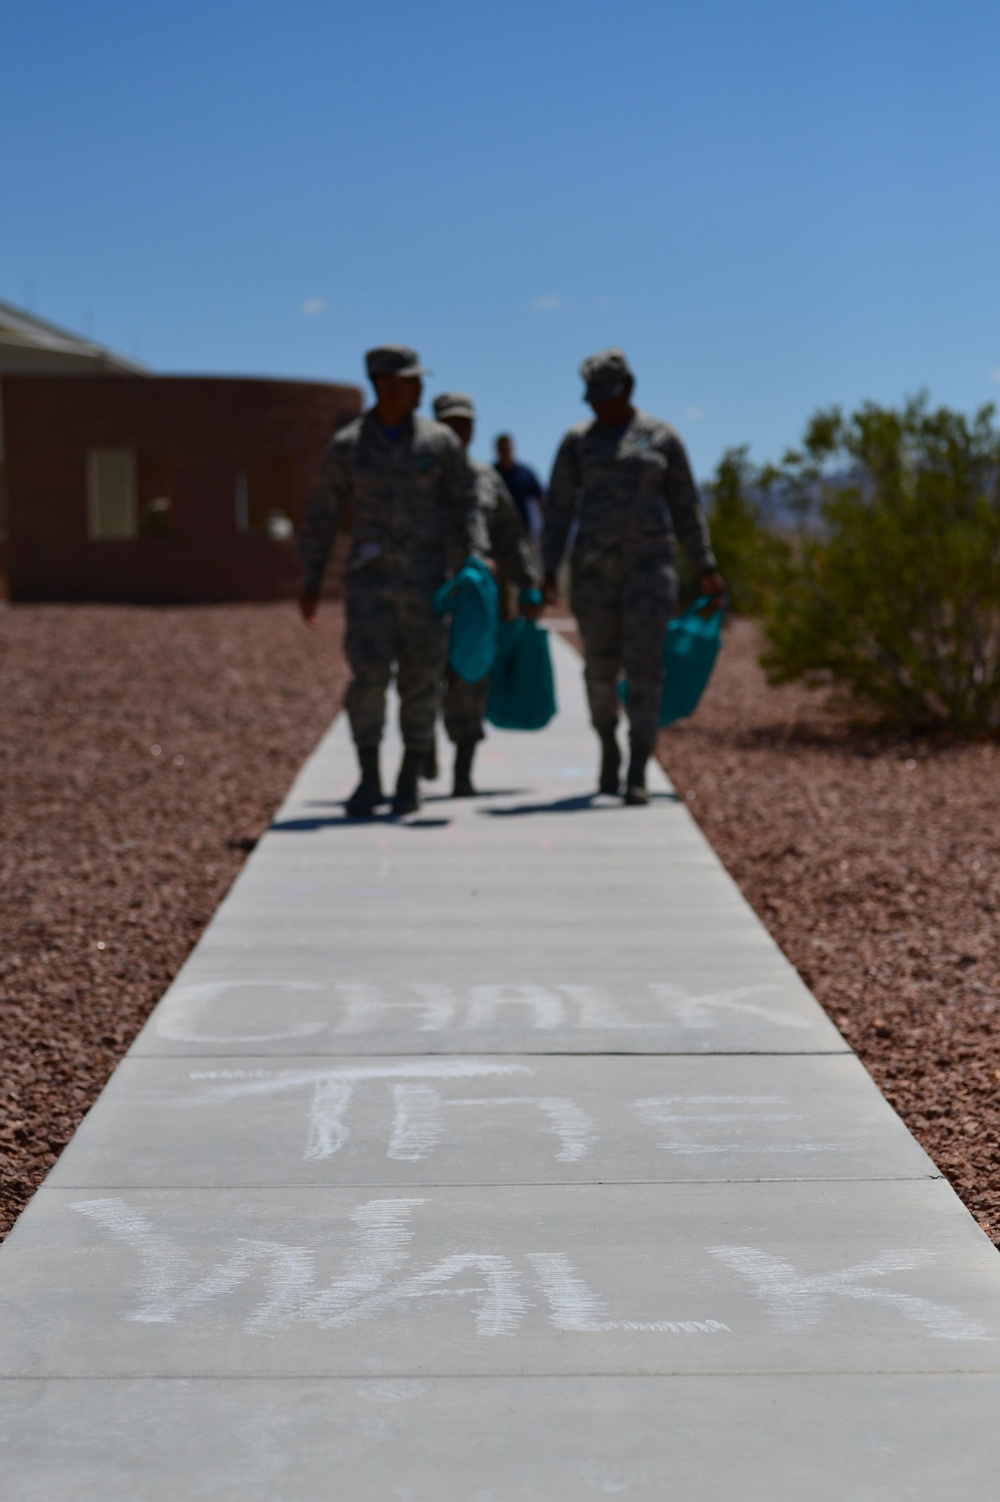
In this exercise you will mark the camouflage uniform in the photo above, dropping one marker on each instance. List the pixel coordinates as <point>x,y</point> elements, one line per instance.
<point>465,703</point>
<point>415,519</point>
<point>631,491</point>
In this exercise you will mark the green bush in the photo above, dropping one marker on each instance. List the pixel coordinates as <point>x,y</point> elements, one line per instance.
<point>892,588</point>
<point>752,553</point>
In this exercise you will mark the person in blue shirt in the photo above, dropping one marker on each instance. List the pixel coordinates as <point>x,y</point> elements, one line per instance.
<point>523,484</point>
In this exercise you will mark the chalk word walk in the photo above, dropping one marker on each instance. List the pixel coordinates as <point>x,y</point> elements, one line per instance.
<point>379,1276</point>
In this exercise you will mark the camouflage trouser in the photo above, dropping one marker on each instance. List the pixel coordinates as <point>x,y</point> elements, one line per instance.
<point>386,626</point>
<point>465,708</point>
<point>622,608</point>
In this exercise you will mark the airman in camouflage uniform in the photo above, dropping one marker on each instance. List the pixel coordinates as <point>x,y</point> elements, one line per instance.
<point>465,703</point>
<point>624,477</point>
<point>416,518</point>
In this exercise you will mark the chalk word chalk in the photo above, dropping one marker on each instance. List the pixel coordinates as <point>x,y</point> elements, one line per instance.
<point>378,1277</point>
<point>360,1007</point>
<point>798,1301</point>
<point>419,1109</point>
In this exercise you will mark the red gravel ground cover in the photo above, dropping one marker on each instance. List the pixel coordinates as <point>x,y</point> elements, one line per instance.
<point>141,753</point>
<point>874,862</point>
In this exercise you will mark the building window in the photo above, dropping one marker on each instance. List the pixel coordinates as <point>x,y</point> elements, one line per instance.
<point>129,494</point>
<point>112,510</point>
<point>268,496</point>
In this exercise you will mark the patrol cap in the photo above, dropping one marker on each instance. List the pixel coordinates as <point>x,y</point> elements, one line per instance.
<point>393,359</point>
<point>605,375</point>
<point>454,404</point>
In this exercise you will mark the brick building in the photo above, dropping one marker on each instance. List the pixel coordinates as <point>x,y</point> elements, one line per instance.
<point>124,486</point>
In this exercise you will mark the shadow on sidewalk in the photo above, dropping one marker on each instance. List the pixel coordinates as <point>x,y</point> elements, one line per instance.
<point>431,797</point>
<point>341,821</point>
<point>597,803</point>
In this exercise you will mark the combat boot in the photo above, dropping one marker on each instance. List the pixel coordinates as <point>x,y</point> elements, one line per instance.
<point>368,794</point>
<point>464,752</point>
<point>611,761</point>
<point>635,784</point>
<point>407,799</point>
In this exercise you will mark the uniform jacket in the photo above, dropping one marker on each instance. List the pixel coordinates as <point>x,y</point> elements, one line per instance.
<point>413,499</point>
<point>632,494</point>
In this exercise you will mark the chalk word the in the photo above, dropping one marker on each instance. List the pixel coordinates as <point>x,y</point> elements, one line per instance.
<point>687,1125</point>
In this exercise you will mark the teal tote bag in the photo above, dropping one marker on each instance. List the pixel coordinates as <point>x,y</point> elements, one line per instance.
<point>690,646</point>
<point>522,687</point>
<point>470,598</point>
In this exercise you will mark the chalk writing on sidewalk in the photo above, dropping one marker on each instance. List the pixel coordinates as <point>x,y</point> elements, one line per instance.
<point>222,1011</point>
<point>420,1110</point>
<point>377,1277</point>
<point>379,1273</point>
<point>798,1301</point>
<point>690,1125</point>
<point>418,1114</point>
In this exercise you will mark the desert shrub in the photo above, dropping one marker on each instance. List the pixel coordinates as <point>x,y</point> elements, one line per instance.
<point>748,540</point>
<point>892,589</point>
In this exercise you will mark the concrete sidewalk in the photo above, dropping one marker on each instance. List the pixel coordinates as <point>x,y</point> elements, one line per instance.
<point>494,1156</point>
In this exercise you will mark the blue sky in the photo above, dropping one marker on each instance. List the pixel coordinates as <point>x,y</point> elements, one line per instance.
<point>771,206</point>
